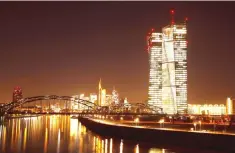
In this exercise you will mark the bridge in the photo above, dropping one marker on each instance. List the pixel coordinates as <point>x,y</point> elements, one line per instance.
<point>89,107</point>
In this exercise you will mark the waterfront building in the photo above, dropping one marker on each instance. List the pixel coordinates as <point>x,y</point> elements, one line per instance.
<point>230,106</point>
<point>168,68</point>
<point>207,109</point>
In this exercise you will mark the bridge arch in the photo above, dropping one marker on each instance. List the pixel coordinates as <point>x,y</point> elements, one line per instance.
<point>11,105</point>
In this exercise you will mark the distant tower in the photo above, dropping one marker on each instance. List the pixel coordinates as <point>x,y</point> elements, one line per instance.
<point>115,96</point>
<point>103,97</point>
<point>17,94</point>
<point>100,93</point>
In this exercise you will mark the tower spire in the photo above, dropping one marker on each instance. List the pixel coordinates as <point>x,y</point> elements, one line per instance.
<point>100,85</point>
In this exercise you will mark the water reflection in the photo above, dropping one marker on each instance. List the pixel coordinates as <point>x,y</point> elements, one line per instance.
<point>137,148</point>
<point>111,146</point>
<point>156,150</point>
<point>61,134</point>
<point>46,140</point>
<point>58,142</point>
<point>121,146</point>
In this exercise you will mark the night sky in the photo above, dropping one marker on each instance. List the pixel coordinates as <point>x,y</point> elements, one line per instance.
<point>64,48</point>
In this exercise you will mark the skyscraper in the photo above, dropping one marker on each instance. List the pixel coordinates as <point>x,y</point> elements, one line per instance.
<point>102,95</point>
<point>108,100</point>
<point>168,68</point>
<point>115,96</point>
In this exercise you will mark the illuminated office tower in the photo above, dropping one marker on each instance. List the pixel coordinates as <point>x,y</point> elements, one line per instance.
<point>115,97</point>
<point>154,41</point>
<point>93,97</point>
<point>102,95</point>
<point>108,100</point>
<point>172,71</point>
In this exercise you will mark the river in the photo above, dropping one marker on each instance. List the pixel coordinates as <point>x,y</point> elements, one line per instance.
<point>62,134</point>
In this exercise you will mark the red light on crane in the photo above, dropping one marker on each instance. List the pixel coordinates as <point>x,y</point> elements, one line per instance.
<point>172,12</point>
<point>186,18</point>
<point>152,29</point>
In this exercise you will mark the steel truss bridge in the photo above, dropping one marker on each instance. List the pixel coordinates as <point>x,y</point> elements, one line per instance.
<point>90,107</point>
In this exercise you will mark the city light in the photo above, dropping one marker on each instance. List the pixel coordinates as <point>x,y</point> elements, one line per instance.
<point>195,126</point>
<point>161,123</point>
<point>136,121</point>
<point>200,123</point>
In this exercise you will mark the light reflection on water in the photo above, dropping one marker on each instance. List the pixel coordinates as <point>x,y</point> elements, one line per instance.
<point>61,134</point>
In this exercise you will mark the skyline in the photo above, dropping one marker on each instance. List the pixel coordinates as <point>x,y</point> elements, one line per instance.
<point>54,31</point>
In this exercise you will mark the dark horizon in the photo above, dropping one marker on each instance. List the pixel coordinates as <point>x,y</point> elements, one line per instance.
<point>64,48</point>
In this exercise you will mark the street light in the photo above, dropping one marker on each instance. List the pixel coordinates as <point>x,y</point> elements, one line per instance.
<point>161,123</point>
<point>136,121</point>
<point>200,125</point>
<point>195,126</point>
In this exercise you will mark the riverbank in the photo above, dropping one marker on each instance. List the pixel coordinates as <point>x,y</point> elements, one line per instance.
<point>217,141</point>
<point>20,116</point>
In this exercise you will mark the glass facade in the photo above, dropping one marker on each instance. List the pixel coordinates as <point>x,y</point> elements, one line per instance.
<point>168,70</point>
<point>207,109</point>
<point>155,76</point>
